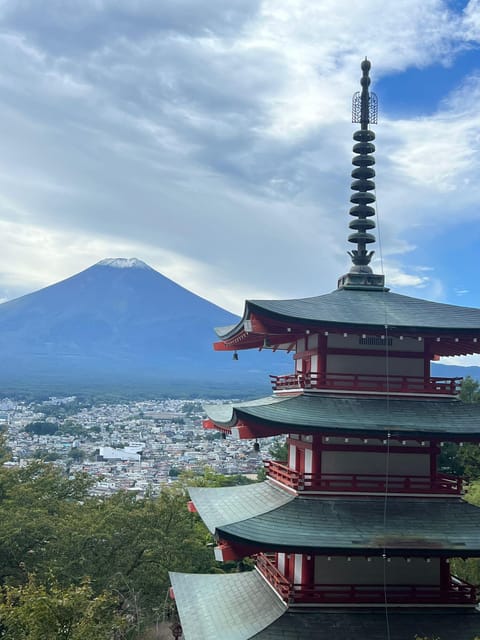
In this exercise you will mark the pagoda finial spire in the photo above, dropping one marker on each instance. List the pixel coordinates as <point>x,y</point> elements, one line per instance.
<point>364,112</point>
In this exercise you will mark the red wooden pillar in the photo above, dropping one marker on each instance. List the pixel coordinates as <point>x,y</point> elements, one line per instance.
<point>316,460</point>
<point>308,576</point>
<point>322,360</point>
<point>434,451</point>
<point>445,577</point>
<point>300,460</point>
<point>290,567</point>
<point>426,362</point>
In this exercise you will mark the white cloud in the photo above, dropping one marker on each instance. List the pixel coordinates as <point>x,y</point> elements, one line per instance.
<point>398,278</point>
<point>213,141</point>
<point>462,361</point>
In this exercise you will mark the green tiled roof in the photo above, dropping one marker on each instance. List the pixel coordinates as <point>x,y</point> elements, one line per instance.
<point>370,624</point>
<point>413,526</point>
<point>224,505</point>
<point>228,607</point>
<point>330,415</point>
<point>363,309</point>
<point>342,525</point>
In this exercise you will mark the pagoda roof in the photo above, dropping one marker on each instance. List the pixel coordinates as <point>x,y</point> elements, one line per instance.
<point>362,308</point>
<point>231,504</point>
<point>340,525</point>
<point>228,607</point>
<point>332,415</point>
<point>355,310</point>
<point>242,606</point>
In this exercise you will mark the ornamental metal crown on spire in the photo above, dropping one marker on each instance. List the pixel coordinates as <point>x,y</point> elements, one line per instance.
<point>364,112</point>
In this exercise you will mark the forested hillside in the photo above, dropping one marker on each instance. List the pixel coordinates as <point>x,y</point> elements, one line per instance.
<point>75,567</point>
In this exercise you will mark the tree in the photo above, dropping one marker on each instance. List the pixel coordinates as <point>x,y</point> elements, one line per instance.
<point>211,478</point>
<point>469,455</point>
<point>470,391</point>
<point>279,451</point>
<point>76,454</point>
<point>45,455</point>
<point>42,428</point>
<point>463,460</point>
<point>54,530</point>
<point>35,611</point>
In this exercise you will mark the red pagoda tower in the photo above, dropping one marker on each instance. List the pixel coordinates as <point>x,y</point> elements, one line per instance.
<point>353,536</point>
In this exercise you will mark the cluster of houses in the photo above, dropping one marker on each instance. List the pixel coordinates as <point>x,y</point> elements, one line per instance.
<point>136,446</point>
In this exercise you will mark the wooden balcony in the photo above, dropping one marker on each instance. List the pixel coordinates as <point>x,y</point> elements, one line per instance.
<point>367,383</point>
<point>366,483</point>
<point>457,592</point>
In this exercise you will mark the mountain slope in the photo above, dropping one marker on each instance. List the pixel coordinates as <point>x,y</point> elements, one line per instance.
<point>123,319</point>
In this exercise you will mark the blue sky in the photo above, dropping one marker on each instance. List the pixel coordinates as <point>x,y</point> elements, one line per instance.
<point>213,141</point>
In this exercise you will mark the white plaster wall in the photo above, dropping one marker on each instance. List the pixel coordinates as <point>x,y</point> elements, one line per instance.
<point>375,365</point>
<point>375,463</point>
<point>313,341</point>
<point>314,365</point>
<point>308,461</point>
<point>281,563</point>
<point>359,571</point>
<point>298,569</point>
<point>300,345</point>
<point>352,342</point>
<point>292,456</point>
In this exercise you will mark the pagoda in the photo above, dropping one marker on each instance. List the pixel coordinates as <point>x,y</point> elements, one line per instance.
<point>353,536</point>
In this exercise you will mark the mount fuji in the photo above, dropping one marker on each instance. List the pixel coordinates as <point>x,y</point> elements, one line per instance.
<point>120,322</point>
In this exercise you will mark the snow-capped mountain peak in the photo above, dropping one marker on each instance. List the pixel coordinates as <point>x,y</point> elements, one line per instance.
<point>123,263</point>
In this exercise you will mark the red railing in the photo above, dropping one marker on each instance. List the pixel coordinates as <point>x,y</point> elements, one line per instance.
<point>456,592</point>
<point>355,482</point>
<point>266,566</point>
<point>366,382</point>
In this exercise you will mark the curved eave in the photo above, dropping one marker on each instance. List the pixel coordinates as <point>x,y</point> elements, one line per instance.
<point>423,418</point>
<point>414,527</point>
<point>224,505</point>
<point>234,606</point>
<point>355,311</point>
<point>225,416</point>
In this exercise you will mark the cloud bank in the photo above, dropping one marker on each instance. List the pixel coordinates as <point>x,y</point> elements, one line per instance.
<point>213,141</point>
